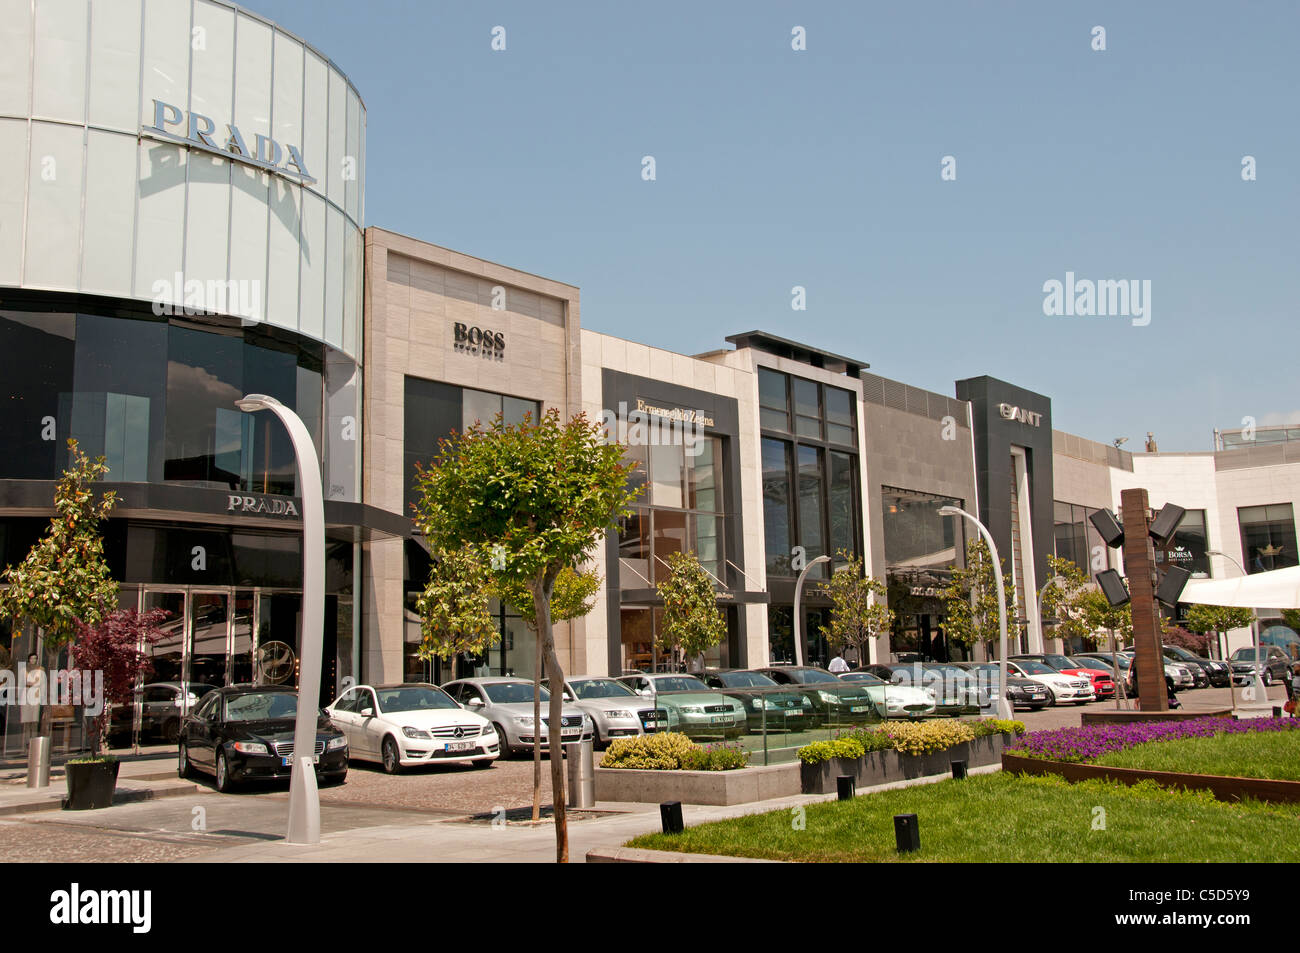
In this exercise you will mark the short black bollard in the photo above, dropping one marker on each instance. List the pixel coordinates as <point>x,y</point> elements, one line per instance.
<point>959,770</point>
<point>1277,711</point>
<point>846,787</point>
<point>670,813</point>
<point>907,833</point>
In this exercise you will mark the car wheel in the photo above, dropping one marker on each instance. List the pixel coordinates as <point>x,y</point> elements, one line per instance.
<point>184,769</point>
<point>596,743</point>
<point>483,763</point>
<point>502,740</point>
<point>392,759</point>
<point>224,784</point>
<point>1038,707</point>
<point>1051,697</point>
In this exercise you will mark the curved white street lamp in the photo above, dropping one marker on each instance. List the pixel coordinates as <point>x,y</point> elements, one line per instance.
<point>304,799</point>
<point>1004,704</point>
<point>798,600</point>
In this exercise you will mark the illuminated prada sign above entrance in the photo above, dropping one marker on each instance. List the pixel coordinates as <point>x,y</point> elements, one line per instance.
<point>197,131</point>
<point>1009,412</point>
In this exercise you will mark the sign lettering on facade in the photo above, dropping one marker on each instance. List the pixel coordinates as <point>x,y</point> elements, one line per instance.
<point>488,344</point>
<point>261,505</point>
<point>684,414</point>
<point>200,132</point>
<point>1010,412</point>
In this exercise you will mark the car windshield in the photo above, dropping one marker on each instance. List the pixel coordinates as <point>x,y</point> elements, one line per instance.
<point>745,680</point>
<point>512,693</point>
<point>1179,652</point>
<point>812,675</point>
<point>262,706</point>
<point>413,699</point>
<point>1091,663</point>
<point>679,683</point>
<point>1036,668</point>
<point>589,688</point>
<point>1059,661</point>
<point>863,677</point>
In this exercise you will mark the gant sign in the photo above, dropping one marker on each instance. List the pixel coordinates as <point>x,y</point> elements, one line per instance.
<point>261,506</point>
<point>1009,412</point>
<point>198,131</point>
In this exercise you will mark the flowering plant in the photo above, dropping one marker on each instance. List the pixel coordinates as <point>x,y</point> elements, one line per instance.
<point>1089,742</point>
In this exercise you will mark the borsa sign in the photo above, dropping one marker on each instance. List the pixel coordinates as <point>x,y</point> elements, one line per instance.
<point>197,131</point>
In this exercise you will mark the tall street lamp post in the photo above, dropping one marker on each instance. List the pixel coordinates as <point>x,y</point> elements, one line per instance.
<point>798,606</point>
<point>1257,685</point>
<point>1004,704</point>
<point>304,800</point>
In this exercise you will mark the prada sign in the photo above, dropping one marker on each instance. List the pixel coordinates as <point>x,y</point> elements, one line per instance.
<point>262,506</point>
<point>1009,412</point>
<point>195,130</point>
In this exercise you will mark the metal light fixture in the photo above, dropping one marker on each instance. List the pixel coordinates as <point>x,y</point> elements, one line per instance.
<point>798,602</point>
<point>304,799</point>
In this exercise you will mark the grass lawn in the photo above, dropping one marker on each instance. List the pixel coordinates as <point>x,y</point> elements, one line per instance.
<point>1002,817</point>
<point>1265,754</point>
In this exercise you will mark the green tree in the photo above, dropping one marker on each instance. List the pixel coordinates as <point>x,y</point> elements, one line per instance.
<point>692,622</point>
<point>1064,600</point>
<point>575,594</point>
<point>1204,619</point>
<point>1292,618</point>
<point>859,608</point>
<point>64,580</point>
<point>528,499</point>
<point>971,601</point>
<point>453,608</point>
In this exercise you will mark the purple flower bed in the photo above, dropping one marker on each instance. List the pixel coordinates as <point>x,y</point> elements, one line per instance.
<point>1092,741</point>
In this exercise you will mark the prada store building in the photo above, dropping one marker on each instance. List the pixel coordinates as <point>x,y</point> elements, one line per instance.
<point>181,204</point>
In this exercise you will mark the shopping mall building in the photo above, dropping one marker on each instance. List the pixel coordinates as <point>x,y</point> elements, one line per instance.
<point>182,222</point>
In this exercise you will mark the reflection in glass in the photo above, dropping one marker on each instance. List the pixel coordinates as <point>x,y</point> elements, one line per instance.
<point>241,653</point>
<point>1268,537</point>
<point>842,486</point>
<point>667,469</point>
<point>208,638</point>
<point>811,507</point>
<point>166,653</point>
<point>776,506</point>
<point>916,534</point>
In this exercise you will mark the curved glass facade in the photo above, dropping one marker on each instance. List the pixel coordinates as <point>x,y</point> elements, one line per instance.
<point>156,399</point>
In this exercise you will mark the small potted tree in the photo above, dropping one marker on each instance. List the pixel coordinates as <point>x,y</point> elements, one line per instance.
<point>111,650</point>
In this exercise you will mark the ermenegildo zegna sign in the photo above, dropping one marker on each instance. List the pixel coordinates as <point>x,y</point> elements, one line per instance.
<point>197,131</point>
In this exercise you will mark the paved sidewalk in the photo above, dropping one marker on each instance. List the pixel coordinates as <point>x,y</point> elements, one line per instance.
<point>151,774</point>
<point>457,841</point>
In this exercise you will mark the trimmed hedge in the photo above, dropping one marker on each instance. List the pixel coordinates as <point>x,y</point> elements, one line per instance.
<point>672,751</point>
<point>910,738</point>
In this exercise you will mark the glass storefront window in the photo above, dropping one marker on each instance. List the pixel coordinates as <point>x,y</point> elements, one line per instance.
<point>777,513</point>
<point>811,507</point>
<point>1189,545</point>
<point>1268,537</point>
<point>36,361</point>
<point>843,482</point>
<point>773,400</point>
<point>916,535</point>
<point>667,469</point>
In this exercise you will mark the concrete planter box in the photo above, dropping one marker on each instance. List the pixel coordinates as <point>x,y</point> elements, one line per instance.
<point>884,767</point>
<point>740,786</point>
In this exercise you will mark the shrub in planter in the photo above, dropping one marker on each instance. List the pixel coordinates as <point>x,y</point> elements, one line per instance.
<point>658,752</point>
<point>90,783</point>
<point>672,751</point>
<point>846,747</point>
<point>997,726</point>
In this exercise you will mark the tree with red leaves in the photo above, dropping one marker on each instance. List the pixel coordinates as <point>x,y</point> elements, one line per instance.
<point>113,647</point>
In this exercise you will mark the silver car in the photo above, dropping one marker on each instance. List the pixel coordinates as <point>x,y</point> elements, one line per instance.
<point>615,710</point>
<point>693,708</point>
<point>508,704</point>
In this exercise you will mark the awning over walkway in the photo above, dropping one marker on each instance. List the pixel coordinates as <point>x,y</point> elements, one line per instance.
<point>1278,589</point>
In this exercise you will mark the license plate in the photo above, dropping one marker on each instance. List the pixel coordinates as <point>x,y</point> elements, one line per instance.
<point>286,762</point>
<point>571,731</point>
<point>460,745</point>
<point>857,708</point>
<point>720,720</point>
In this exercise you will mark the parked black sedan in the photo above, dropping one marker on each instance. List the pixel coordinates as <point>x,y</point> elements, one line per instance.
<point>834,701</point>
<point>245,733</point>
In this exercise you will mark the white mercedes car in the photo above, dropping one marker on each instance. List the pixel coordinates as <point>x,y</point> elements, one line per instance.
<point>1060,687</point>
<point>404,725</point>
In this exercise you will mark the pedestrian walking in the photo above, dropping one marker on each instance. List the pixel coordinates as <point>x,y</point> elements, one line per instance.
<point>838,665</point>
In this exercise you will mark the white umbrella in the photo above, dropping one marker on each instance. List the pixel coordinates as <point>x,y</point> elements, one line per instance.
<point>1278,589</point>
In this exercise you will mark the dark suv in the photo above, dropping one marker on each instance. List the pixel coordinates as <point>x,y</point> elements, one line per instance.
<point>1274,662</point>
<point>1216,673</point>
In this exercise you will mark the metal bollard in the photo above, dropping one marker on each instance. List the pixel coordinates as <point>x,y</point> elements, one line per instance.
<point>959,770</point>
<point>581,761</point>
<point>907,833</point>
<point>1277,711</point>
<point>38,762</point>
<point>846,787</point>
<point>670,816</point>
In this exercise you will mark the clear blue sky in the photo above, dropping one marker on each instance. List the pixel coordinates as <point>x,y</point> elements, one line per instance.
<point>821,168</point>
